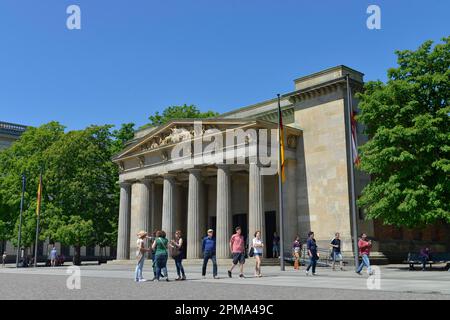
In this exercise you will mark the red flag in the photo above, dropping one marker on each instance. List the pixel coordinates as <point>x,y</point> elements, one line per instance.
<point>356,159</point>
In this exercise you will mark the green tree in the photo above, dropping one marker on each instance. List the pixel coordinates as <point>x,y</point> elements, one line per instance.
<point>178,112</point>
<point>408,124</point>
<point>121,136</point>
<point>77,232</point>
<point>79,180</point>
<point>27,155</point>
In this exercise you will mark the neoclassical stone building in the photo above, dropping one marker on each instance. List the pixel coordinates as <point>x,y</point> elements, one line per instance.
<point>158,192</point>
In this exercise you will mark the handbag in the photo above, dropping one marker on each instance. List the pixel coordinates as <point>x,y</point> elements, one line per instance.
<point>174,251</point>
<point>251,253</point>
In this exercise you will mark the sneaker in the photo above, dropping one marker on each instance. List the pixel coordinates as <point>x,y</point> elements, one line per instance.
<point>183,277</point>
<point>178,279</point>
<point>143,280</point>
<point>216,277</point>
<point>204,277</point>
<point>358,273</point>
<point>229,274</point>
<point>314,274</point>
<point>136,280</point>
<point>241,276</point>
<point>167,279</point>
<point>307,273</point>
<point>155,280</point>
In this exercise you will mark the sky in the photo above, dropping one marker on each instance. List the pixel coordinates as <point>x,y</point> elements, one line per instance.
<point>133,58</point>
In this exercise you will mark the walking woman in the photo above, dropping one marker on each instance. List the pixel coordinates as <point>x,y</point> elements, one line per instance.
<point>140,256</point>
<point>160,248</point>
<point>176,246</point>
<point>258,246</point>
<point>296,251</point>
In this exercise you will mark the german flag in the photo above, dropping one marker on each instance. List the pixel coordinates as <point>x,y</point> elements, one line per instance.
<point>281,139</point>
<point>39,195</point>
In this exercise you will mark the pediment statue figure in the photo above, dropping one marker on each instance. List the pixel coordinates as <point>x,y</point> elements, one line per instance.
<point>178,135</point>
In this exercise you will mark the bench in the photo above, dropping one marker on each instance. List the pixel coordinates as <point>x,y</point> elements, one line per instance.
<point>415,258</point>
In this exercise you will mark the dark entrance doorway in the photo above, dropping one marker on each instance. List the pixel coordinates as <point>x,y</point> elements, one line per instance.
<point>271,227</point>
<point>241,220</point>
<point>212,222</point>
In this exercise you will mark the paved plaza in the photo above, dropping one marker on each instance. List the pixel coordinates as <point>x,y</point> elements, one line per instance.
<point>116,282</point>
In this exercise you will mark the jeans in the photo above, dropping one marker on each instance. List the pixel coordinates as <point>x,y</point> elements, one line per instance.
<point>154,264</point>
<point>161,264</point>
<point>206,256</point>
<point>312,263</point>
<point>138,272</point>
<point>178,264</point>
<point>424,262</point>
<point>365,262</point>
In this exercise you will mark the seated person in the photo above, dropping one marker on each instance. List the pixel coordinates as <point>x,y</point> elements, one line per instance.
<point>425,255</point>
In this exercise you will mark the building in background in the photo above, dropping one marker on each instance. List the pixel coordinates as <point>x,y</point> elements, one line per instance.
<point>9,132</point>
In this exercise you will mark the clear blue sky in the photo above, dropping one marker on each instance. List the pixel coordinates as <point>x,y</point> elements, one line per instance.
<point>132,58</point>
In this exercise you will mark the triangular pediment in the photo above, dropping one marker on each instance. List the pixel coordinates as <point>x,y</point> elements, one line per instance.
<point>176,131</point>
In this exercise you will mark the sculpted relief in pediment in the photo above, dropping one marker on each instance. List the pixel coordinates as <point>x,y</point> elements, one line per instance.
<point>177,134</point>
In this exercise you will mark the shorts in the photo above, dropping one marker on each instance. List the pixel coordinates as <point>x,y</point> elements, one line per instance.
<point>337,256</point>
<point>238,257</point>
<point>259,254</point>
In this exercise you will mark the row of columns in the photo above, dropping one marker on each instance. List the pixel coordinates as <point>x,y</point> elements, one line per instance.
<point>146,210</point>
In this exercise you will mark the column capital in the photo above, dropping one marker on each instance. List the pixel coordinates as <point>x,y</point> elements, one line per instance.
<point>194,170</point>
<point>169,176</point>
<point>125,184</point>
<point>146,181</point>
<point>223,166</point>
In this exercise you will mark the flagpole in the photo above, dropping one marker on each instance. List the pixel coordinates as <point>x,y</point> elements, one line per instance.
<point>19,240</point>
<point>352,173</point>
<point>37,222</point>
<point>280,189</point>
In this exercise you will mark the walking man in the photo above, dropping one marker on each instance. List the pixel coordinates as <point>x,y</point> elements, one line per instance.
<point>3,259</point>
<point>336,251</point>
<point>364,251</point>
<point>209,252</point>
<point>275,246</point>
<point>237,247</point>
<point>312,253</point>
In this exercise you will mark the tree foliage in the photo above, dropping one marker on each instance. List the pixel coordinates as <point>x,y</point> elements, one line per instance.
<point>407,155</point>
<point>178,112</point>
<point>80,191</point>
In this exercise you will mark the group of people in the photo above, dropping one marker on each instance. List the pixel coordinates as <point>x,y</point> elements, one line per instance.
<point>160,249</point>
<point>364,247</point>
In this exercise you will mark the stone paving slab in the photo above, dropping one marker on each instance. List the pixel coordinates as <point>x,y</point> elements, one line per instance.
<point>99,281</point>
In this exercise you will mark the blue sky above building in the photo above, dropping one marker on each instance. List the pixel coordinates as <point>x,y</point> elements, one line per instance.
<point>132,58</point>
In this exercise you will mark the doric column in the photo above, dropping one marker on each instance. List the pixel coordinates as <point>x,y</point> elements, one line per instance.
<point>256,202</point>
<point>194,214</point>
<point>144,205</point>
<point>123,238</point>
<point>223,220</point>
<point>168,207</point>
<point>155,208</point>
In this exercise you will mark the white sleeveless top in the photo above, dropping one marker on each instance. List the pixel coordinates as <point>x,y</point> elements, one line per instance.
<point>258,242</point>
